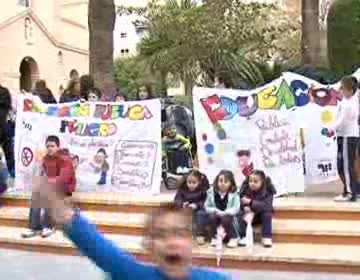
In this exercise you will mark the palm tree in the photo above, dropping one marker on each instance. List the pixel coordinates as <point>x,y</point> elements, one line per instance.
<point>310,41</point>
<point>101,26</point>
<point>162,50</point>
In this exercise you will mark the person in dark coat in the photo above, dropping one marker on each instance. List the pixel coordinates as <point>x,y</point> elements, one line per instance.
<point>7,131</point>
<point>44,93</point>
<point>72,93</point>
<point>5,107</point>
<point>256,201</point>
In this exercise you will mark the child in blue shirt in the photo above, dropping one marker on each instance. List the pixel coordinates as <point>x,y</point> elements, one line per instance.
<point>168,240</point>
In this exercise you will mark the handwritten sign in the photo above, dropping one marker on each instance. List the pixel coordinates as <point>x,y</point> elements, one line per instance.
<point>134,164</point>
<point>278,147</point>
<point>114,146</point>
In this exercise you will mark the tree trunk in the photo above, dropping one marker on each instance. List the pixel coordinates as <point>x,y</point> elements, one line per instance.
<point>101,44</point>
<point>310,41</point>
<point>188,85</point>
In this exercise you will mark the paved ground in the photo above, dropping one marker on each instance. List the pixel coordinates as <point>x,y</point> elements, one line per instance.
<point>19,265</point>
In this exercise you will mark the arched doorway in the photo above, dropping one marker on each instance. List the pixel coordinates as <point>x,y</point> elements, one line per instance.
<point>29,73</point>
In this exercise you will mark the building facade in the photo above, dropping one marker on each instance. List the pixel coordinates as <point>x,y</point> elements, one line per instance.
<point>42,40</point>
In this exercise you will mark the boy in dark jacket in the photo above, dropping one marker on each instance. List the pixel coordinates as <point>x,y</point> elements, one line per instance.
<point>57,171</point>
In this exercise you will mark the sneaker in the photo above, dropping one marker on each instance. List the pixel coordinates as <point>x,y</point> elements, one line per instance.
<point>344,198</point>
<point>213,242</point>
<point>242,242</point>
<point>267,242</point>
<point>233,243</point>
<point>46,232</point>
<point>200,240</point>
<point>29,233</point>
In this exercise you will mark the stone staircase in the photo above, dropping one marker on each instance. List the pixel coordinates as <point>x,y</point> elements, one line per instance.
<point>310,234</point>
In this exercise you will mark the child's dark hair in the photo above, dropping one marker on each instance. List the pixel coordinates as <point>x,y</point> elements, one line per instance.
<point>228,176</point>
<point>203,180</point>
<point>148,88</point>
<point>54,139</point>
<point>242,153</point>
<point>266,181</point>
<point>96,91</point>
<point>102,151</point>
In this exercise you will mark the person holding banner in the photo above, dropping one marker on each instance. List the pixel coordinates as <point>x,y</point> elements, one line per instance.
<point>347,132</point>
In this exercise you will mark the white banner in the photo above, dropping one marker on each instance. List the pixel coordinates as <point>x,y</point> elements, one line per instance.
<point>115,147</point>
<point>316,109</point>
<point>237,129</point>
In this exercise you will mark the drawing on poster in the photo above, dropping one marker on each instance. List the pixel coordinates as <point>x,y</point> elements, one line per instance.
<point>134,165</point>
<point>27,156</point>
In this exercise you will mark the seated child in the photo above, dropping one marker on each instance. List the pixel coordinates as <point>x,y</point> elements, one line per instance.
<point>192,194</point>
<point>177,147</point>
<point>56,170</point>
<point>222,205</point>
<point>256,197</point>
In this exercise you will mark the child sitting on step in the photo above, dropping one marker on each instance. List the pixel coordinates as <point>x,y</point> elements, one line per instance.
<point>192,194</point>
<point>222,205</point>
<point>256,197</point>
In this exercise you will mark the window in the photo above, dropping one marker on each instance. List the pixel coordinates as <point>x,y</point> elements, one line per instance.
<point>124,52</point>
<point>28,30</point>
<point>25,3</point>
<point>123,35</point>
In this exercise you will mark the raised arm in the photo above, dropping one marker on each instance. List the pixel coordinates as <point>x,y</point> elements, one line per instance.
<point>104,253</point>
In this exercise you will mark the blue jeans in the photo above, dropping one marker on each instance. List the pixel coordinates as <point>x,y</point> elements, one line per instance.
<point>35,221</point>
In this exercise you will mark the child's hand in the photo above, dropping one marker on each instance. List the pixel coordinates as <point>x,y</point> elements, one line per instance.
<point>245,200</point>
<point>185,204</point>
<point>220,213</point>
<point>192,206</point>
<point>249,217</point>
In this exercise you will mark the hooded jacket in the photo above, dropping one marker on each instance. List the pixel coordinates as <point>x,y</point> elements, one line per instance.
<point>261,201</point>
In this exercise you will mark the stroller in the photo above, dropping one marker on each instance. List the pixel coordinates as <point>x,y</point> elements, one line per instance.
<point>172,172</point>
<point>181,117</point>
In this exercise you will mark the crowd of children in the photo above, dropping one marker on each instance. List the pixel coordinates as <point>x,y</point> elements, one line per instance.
<point>225,204</point>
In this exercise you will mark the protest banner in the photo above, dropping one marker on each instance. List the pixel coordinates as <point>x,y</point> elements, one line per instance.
<point>115,147</point>
<point>277,127</point>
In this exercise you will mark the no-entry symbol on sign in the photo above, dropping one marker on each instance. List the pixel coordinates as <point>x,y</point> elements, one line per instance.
<point>27,156</point>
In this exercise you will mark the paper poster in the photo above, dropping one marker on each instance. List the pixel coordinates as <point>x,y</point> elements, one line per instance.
<point>115,147</point>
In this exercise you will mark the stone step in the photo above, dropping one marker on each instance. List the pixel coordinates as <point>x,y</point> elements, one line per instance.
<point>284,230</point>
<point>110,202</point>
<point>304,208</point>
<point>283,256</point>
